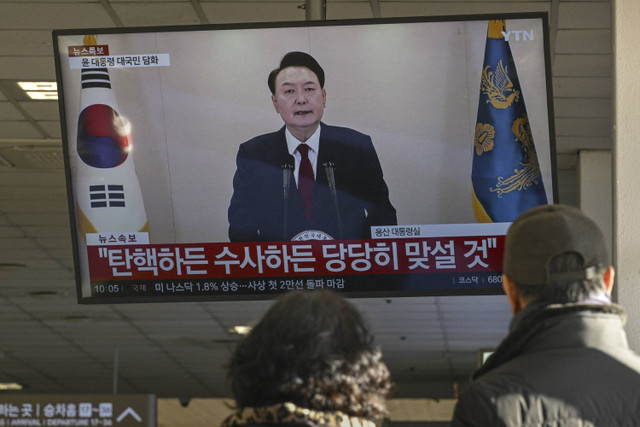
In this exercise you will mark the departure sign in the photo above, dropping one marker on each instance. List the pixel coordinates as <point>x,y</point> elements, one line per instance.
<point>78,410</point>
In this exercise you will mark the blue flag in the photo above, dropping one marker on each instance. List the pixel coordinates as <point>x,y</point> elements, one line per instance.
<point>505,176</point>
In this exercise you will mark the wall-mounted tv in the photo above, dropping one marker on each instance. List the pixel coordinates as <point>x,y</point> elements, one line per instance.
<point>422,137</point>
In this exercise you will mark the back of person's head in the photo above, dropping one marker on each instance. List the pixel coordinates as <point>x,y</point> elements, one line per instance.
<point>312,349</point>
<point>556,254</point>
<point>296,59</point>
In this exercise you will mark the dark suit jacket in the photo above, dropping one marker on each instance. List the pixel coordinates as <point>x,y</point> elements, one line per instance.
<point>257,211</point>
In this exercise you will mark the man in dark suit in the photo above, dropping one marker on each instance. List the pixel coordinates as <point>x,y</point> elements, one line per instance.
<point>308,180</point>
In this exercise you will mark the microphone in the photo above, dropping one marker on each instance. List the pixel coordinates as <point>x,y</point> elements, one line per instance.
<point>329,169</point>
<point>287,170</point>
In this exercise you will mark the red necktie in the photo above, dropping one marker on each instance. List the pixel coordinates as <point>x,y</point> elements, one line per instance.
<point>306,180</point>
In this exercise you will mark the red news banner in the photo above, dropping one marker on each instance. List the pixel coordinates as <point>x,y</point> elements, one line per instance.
<point>457,260</point>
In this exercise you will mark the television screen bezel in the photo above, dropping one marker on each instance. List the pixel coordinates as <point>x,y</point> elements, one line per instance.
<point>542,16</point>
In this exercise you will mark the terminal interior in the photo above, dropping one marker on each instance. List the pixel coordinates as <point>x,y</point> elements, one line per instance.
<point>49,344</point>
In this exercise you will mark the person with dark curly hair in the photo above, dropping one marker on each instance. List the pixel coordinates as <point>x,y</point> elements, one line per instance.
<point>311,360</point>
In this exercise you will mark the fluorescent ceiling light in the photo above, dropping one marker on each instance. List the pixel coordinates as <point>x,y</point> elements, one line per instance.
<point>47,96</point>
<point>47,91</point>
<point>10,386</point>
<point>39,86</point>
<point>241,330</point>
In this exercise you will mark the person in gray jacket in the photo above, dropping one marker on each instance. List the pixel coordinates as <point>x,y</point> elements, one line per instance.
<point>565,361</point>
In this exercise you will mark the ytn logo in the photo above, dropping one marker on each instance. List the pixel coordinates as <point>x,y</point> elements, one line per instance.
<point>518,35</point>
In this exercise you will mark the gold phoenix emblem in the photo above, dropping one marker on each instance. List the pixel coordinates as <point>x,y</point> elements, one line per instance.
<point>498,87</point>
<point>530,172</point>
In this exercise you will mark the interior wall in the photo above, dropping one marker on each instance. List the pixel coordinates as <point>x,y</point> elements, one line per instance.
<point>595,189</point>
<point>626,93</point>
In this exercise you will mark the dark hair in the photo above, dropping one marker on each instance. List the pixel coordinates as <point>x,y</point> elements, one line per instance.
<point>296,59</point>
<point>312,349</point>
<point>566,291</point>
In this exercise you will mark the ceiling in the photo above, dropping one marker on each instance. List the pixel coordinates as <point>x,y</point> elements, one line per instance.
<point>50,344</point>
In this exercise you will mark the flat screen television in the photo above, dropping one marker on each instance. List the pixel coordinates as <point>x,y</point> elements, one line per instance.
<point>443,123</point>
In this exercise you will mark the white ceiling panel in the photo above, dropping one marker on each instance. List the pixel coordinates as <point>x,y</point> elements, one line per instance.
<point>573,143</point>
<point>17,243</point>
<point>43,111</point>
<point>38,15</point>
<point>32,178</point>
<point>59,244</point>
<point>11,255</point>
<point>17,129</point>
<point>9,232</point>
<point>583,127</point>
<point>40,264</point>
<point>583,107</point>
<point>582,65</point>
<point>30,193</point>
<point>106,341</point>
<point>19,206</point>
<point>51,128</point>
<point>40,219</point>
<point>350,10</point>
<point>43,231</point>
<point>583,42</point>
<point>9,112</point>
<point>584,14</point>
<point>22,286</point>
<point>457,3</point>
<point>27,68</point>
<point>162,311</point>
<point>169,329</point>
<point>221,12</point>
<point>407,8</point>
<point>580,87</point>
<point>155,1</point>
<point>25,42</point>
<point>134,14</point>
<point>57,310</point>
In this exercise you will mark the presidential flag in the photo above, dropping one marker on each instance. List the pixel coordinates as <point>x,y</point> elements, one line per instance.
<point>506,177</point>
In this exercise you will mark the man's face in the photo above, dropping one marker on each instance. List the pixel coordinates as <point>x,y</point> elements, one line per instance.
<point>299,100</point>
